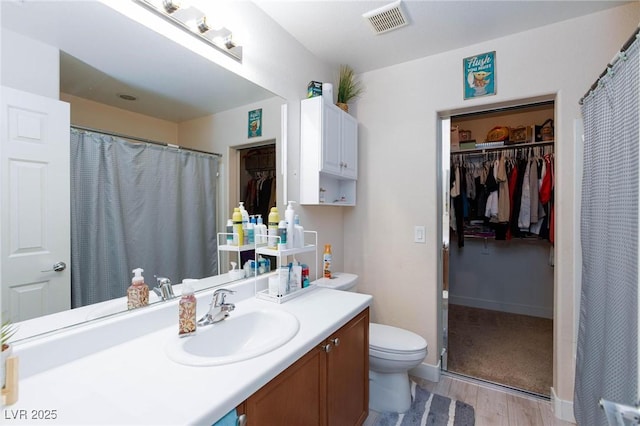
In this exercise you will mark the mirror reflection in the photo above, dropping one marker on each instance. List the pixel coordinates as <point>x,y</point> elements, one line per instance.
<point>127,86</point>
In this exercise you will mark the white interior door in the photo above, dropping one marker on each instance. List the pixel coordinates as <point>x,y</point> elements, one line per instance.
<point>34,214</point>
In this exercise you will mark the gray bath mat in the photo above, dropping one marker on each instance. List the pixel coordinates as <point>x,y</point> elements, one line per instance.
<point>430,409</point>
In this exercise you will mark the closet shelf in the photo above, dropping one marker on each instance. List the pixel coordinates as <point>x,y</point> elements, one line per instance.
<point>502,148</point>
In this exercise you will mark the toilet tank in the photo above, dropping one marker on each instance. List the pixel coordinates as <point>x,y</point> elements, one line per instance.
<point>339,281</point>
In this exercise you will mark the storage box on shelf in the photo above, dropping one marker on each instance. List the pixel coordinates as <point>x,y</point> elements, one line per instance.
<point>329,154</point>
<point>309,246</point>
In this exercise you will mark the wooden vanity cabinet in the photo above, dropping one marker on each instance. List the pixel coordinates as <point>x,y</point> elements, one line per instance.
<point>329,385</point>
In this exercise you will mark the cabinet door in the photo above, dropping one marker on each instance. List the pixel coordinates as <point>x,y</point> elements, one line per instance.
<point>331,135</point>
<point>348,373</point>
<point>349,147</point>
<point>295,397</point>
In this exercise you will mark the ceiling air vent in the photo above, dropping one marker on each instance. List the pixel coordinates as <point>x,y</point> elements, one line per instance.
<point>386,18</point>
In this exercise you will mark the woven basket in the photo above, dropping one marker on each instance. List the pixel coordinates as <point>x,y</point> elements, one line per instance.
<point>343,107</point>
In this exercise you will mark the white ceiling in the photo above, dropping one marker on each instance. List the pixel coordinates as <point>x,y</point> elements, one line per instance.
<point>335,31</point>
<point>111,55</point>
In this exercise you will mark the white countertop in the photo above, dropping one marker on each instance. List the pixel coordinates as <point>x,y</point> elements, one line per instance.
<point>115,371</point>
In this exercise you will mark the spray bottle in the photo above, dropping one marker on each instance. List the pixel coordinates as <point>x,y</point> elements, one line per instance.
<point>289,215</point>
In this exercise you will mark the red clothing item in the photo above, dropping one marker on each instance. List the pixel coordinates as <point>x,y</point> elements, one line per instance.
<point>547,181</point>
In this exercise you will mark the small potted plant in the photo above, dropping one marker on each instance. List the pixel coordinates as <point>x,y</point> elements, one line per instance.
<point>8,329</point>
<point>348,87</point>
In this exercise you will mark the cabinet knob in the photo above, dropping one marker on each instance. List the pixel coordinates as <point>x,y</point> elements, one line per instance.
<point>326,348</point>
<point>335,341</point>
<point>242,420</point>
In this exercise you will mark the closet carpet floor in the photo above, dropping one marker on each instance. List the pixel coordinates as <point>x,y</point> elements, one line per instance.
<point>500,347</point>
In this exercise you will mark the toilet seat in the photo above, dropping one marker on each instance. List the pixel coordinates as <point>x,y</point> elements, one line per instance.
<point>390,342</point>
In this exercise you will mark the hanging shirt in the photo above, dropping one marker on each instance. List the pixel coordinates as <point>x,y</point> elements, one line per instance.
<point>503,191</point>
<point>524,219</point>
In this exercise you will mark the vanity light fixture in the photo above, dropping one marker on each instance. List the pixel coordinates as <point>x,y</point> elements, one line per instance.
<point>194,21</point>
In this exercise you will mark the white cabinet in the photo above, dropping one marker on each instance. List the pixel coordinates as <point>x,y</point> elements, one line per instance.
<point>328,154</point>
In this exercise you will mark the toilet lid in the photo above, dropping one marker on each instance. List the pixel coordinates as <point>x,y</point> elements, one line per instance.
<point>386,338</point>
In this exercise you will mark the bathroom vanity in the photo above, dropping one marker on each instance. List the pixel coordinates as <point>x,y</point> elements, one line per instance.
<point>117,371</point>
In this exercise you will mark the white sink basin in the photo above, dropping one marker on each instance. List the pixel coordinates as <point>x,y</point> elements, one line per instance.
<point>241,336</point>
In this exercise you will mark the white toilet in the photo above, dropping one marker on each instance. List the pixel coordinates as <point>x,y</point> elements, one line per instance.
<point>392,353</point>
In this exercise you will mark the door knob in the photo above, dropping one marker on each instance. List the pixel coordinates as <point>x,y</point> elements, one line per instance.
<point>57,267</point>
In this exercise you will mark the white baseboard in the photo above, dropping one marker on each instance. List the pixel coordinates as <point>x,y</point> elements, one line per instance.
<point>562,409</point>
<point>493,305</point>
<point>427,372</point>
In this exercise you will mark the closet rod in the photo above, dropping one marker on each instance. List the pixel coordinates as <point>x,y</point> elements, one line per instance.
<point>134,138</point>
<point>615,59</point>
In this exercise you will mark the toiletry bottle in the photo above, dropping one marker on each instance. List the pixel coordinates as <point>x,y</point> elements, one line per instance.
<point>305,275</point>
<point>238,232</point>
<point>260,231</point>
<point>289,215</point>
<point>326,261</point>
<point>251,229</point>
<point>187,311</point>
<point>282,233</point>
<point>138,291</point>
<point>230,232</point>
<point>245,223</point>
<point>274,218</point>
<point>298,232</point>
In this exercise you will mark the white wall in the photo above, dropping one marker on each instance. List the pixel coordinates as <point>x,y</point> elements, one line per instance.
<point>509,276</point>
<point>399,166</point>
<point>94,115</point>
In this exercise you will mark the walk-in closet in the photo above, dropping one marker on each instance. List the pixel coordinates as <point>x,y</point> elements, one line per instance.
<point>499,280</point>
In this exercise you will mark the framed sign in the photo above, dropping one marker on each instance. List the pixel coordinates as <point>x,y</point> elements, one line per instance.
<point>479,75</point>
<point>255,123</point>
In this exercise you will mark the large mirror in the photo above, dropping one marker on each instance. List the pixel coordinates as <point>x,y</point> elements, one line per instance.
<point>103,55</point>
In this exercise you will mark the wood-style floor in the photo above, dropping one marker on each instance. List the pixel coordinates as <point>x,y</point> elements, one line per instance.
<point>494,405</point>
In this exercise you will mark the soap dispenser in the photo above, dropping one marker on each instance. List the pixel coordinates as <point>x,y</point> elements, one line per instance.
<point>138,291</point>
<point>187,311</point>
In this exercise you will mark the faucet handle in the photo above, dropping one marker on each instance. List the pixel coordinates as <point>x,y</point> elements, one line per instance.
<point>222,294</point>
<point>162,280</point>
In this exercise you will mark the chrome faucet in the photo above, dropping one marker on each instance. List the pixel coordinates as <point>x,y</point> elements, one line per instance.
<point>218,310</point>
<point>164,288</point>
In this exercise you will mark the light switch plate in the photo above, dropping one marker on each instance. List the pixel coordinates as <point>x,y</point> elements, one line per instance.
<point>419,234</point>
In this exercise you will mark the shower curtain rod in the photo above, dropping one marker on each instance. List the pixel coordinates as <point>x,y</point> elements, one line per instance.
<point>134,138</point>
<point>615,59</point>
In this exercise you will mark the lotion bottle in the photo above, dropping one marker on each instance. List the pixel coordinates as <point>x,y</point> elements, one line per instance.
<point>326,261</point>
<point>289,215</point>
<point>230,232</point>
<point>245,223</point>
<point>238,232</point>
<point>298,233</point>
<point>251,229</point>
<point>274,219</point>
<point>138,291</point>
<point>282,233</point>
<point>187,311</point>
<point>260,231</point>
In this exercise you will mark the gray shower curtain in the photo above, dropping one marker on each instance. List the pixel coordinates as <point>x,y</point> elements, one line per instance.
<point>607,357</point>
<point>138,205</point>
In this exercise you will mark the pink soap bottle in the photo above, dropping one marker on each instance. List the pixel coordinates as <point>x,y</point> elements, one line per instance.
<point>138,291</point>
